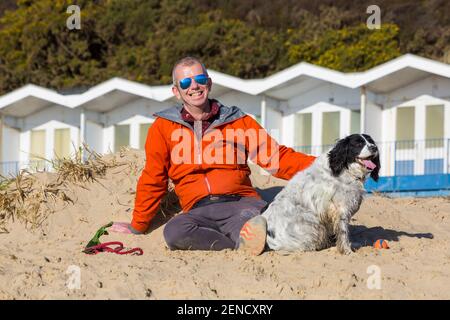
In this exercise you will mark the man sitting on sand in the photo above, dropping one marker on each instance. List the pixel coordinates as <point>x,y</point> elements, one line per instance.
<point>211,176</point>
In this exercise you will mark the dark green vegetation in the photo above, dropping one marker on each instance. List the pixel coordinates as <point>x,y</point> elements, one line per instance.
<point>141,39</point>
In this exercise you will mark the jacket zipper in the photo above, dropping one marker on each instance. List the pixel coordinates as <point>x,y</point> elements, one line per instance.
<point>220,124</point>
<point>187,125</point>
<point>207,184</point>
<point>212,127</point>
<point>199,137</point>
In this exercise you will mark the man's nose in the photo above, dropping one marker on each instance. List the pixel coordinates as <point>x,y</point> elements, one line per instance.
<point>194,84</point>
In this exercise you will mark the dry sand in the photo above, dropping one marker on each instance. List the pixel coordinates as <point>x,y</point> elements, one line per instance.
<point>35,264</point>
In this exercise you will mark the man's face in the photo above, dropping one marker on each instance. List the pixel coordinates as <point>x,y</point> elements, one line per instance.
<point>196,95</point>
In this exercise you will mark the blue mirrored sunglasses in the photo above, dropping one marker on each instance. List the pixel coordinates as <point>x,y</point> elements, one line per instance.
<point>201,79</point>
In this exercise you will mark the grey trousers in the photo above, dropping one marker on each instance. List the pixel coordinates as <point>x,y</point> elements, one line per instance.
<point>211,227</point>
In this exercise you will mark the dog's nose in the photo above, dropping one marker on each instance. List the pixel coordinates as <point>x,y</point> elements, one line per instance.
<point>373,148</point>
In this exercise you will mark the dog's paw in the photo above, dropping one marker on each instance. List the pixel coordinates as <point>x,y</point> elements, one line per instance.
<point>347,250</point>
<point>284,252</point>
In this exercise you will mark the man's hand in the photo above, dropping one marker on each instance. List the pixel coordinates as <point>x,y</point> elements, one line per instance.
<point>123,227</point>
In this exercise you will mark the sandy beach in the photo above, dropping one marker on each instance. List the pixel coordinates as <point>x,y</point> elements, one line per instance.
<point>37,263</point>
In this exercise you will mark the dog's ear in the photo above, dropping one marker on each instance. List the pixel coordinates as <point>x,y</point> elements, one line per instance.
<point>338,157</point>
<point>376,171</point>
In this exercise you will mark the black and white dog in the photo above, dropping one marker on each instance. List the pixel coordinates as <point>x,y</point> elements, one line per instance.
<point>315,207</point>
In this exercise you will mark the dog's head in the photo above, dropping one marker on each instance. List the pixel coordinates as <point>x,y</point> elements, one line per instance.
<point>357,152</point>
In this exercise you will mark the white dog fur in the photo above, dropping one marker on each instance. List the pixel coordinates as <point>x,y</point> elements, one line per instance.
<point>315,207</point>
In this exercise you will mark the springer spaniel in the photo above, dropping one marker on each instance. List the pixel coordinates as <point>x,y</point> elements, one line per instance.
<point>315,207</point>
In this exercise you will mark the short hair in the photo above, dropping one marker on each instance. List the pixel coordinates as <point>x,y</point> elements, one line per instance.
<point>186,61</point>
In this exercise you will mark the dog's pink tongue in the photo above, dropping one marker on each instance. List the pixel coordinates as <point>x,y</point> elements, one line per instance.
<point>369,164</point>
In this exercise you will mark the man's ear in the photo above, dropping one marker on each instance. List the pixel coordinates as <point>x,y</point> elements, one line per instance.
<point>176,92</point>
<point>209,84</point>
<point>338,157</point>
<point>375,172</point>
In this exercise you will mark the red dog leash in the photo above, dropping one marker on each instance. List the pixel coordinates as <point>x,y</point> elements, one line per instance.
<point>105,247</point>
<point>95,246</point>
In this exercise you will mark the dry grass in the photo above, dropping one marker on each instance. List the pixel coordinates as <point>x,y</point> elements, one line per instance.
<point>170,203</point>
<point>4,182</point>
<point>28,200</point>
<point>78,170</point>
<point>30,197</point>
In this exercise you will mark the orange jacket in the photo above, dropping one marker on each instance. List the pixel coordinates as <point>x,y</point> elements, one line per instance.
<point>216,166</point>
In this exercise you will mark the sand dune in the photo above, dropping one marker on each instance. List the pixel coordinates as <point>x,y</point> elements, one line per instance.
<point>37,264</point>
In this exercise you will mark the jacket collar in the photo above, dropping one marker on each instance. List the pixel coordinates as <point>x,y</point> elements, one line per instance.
<point>226,115</point>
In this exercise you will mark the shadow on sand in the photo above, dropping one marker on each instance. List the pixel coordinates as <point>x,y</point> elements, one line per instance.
<point>269,194</point>
<point>362,236</point>
<point>160,220</point>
